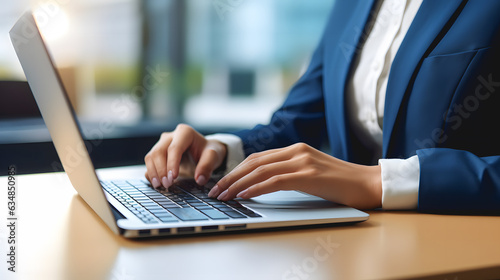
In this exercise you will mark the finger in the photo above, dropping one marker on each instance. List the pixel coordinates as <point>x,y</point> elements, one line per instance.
<point>282,182</point>
<point>160,162</point>
<point>257,155</point>
<point>187,165</point>
<point>208,162</point>
<point>211,157</point>
<point>260,174</point>
<point>247,166</point>
<point>151,171</point>
<point>182,140</point>
<point>158,154</point>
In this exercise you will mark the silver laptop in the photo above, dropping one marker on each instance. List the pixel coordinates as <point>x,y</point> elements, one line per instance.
<point>130,206</point>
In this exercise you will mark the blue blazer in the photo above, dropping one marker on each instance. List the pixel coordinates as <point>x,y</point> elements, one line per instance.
<point>442,101</point>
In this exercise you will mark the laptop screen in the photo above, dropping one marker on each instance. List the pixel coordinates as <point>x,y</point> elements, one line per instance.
<point>58,114</point>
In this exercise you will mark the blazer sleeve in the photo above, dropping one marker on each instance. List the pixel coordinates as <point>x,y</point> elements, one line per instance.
<point>301,118</point>
<point>458,182</point>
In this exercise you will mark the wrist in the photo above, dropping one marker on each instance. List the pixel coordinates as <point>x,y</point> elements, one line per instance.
<point>233,146</point>
<point>222,155</point>
<point>377,185</point>
<point>373,186</point>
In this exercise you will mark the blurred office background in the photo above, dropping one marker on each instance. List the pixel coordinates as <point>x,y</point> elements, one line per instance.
<point>144,66</point>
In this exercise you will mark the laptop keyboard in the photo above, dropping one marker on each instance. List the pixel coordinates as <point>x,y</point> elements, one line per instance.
<point>185,201</point>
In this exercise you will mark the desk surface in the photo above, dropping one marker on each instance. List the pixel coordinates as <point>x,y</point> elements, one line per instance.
<point>59,237</point>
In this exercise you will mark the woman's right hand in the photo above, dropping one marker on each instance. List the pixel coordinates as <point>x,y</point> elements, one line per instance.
<point>163,161</point>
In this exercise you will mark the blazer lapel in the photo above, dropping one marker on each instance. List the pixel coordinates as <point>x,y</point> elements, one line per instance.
<point>338,70</point>
<point>422,36</point>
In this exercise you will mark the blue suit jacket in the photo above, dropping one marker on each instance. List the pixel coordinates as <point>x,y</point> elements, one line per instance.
<point>442,101</point>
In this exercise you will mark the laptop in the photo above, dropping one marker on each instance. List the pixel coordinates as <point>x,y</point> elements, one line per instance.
<point>130,206</point>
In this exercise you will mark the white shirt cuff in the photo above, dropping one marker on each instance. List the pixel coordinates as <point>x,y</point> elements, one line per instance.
<point>235,153</point>
<point>400,181</point>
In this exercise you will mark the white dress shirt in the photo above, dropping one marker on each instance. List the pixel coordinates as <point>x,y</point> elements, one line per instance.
<point>366,99</point>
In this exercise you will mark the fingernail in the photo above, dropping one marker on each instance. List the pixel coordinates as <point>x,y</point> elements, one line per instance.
<point>170,178</point>
<point>222,196</point>
<point>242,194</point>
<point>155,183</point>
<point>164,181</point>
<point>201,180</point>
<point>213,191</point>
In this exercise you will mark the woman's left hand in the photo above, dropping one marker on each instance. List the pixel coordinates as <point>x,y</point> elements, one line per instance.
<point>303,168</point>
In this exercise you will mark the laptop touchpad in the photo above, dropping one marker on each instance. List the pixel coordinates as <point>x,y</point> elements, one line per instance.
<point>288,199</point>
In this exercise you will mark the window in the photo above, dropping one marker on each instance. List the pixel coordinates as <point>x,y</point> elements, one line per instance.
<point>230,62</point>
<point>224,63</point>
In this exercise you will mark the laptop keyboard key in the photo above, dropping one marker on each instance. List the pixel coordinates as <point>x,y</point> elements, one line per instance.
<point>195,204</point>
<point>214,214</point>
<point>170,219</point>
<point>163,214</point>
<point>224,208</point>
<point>154,209</point>
<point>168,204</point>
<point>187,214</point>
<point>234,214</point>
<point>249,212</point>
<point>203,207</point>
<point>218,204</point>
<point>148,204</point>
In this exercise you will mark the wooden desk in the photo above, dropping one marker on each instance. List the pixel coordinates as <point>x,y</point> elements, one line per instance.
<point>59,237</point>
